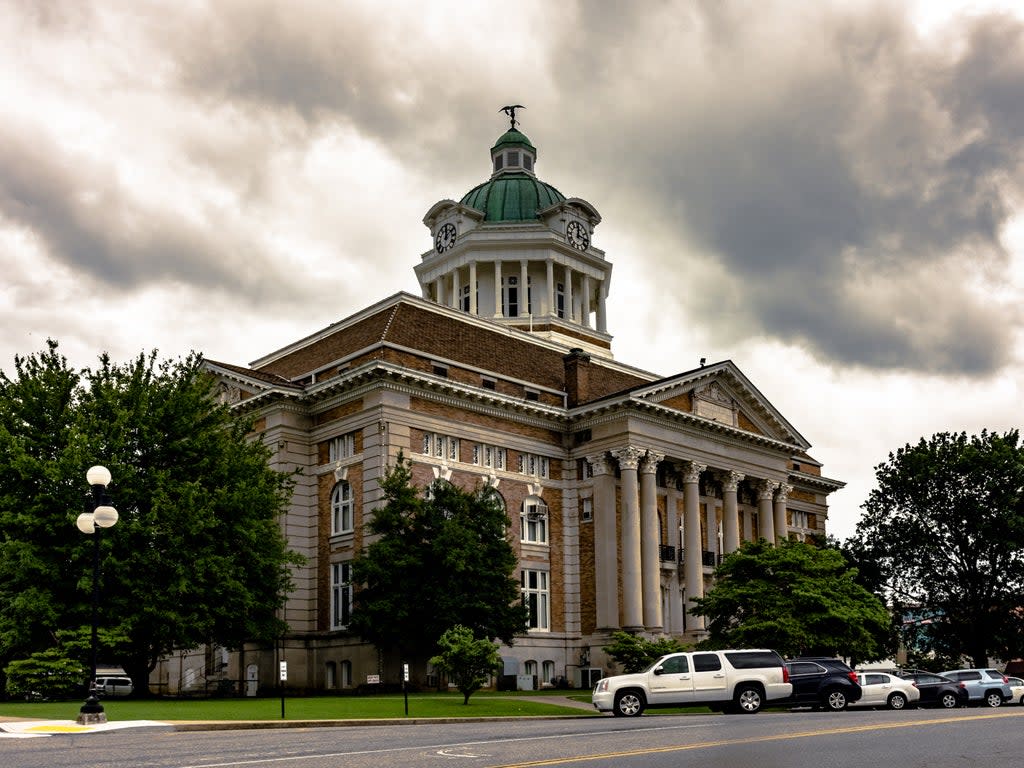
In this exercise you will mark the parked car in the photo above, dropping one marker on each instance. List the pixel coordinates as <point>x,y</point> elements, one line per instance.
<point>880,689</point>
<point>113,686</point>
<point>1016,689</point>
<point>823,682</point>
<point>731,680</point>
<point>936,690</point>
<point>984,686</point>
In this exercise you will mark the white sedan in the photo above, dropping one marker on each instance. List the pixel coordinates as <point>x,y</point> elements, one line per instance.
<point>880,689</point>
<point>1017,689</point>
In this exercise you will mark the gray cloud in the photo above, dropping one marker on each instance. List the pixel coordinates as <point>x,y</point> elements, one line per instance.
<point>819,174</point>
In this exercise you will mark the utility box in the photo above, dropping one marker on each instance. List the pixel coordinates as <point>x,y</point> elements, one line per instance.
<point>525,683</point>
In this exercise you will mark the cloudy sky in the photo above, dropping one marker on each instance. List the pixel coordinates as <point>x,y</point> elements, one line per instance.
<point>827,193</point>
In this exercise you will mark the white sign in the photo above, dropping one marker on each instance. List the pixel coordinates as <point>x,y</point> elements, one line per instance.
<point>405,672</point>
<point>284,671</point>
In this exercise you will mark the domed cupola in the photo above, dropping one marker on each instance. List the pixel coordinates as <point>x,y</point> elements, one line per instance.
<point>513,193</point>
<point>516,250</point>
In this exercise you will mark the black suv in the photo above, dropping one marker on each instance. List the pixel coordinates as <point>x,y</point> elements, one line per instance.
<point>936,690</point>
<point>822,682</point>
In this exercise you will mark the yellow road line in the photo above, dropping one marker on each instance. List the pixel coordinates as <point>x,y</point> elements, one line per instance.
<point>755,740</point>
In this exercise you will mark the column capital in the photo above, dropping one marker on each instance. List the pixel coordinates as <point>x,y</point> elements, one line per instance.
<point>782,493</point>
<point>649,462</point>
<point>629,457</point>
<point>731,480</point>
<point>691,471</point>
<point>600,464</point>
<point>766,489</point>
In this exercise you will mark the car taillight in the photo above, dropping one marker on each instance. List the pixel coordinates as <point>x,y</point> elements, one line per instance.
<point>853,676</point>
<point>962,684</point>
<point>914,684</point>
<point>1006,680</point>
<point>785,674</point>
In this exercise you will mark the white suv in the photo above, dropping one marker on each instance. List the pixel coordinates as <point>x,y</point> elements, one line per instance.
<point>732,681</point>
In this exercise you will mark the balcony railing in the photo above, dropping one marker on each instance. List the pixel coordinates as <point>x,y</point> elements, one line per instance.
<point>667,553</point>
<point>709,559</point>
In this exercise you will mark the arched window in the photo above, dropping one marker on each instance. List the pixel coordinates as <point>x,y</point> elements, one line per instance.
<point>331,675</point>
<point>533,521</point>
<point>547,672</point>
<point>346,674</point>
<point>342,514</point>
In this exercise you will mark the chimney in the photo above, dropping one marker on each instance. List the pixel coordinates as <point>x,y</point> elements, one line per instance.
<point>577,377</point>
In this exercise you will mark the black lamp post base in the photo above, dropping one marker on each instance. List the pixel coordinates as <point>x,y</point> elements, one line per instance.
<point>91,712</point>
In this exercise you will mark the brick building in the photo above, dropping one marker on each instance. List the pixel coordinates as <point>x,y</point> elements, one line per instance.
<point>624,487</point>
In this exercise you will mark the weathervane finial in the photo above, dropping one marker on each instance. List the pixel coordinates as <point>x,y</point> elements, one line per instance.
<point>510,110</point>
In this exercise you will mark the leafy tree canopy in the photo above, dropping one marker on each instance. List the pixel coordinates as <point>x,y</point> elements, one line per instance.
<point>439,560</point>
<point>945,528</point>
<point>197,555</point>
<point>636,653</point>
<point>796,598</point>
<point>466,660</point>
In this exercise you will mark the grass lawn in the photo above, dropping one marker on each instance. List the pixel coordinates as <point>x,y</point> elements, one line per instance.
<point>481,704</point>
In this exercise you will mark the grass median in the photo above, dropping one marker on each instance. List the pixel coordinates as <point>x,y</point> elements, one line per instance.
<point>421,705</point>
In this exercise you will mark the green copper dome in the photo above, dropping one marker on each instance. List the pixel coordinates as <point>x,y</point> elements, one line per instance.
<point>513,193</point>
<point>512,197</point>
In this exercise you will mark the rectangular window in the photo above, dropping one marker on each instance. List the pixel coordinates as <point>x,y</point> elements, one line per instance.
<point>511,308</point>
<point>536,597</point>
<point>587,513</point>
<point>492,456</point>
<point>341,595</point>
<point>560,300</point>
<point>342,510</point>
<point>342,447</point>
<point>532,464</point>
<point>441,446</point>
<point>488,383</point>
<point>534,523</point>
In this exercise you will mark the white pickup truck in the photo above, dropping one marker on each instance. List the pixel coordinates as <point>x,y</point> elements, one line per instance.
<point>730,680</point>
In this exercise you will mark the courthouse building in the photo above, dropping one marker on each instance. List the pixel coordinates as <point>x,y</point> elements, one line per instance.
<point>624,487</point>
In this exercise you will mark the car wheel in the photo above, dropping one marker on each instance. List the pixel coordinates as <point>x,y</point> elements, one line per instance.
<point>749,700</point>
<point>897,701</point>
<point>628,704</point>
<point>949,701</point>
<point>835,700</point>
<point>994,699</point>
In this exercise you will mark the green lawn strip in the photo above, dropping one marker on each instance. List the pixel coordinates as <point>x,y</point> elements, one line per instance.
<point>428,705</point>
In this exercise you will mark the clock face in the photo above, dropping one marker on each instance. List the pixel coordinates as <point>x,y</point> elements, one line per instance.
<point>445,238</point>
<point>577,235</point>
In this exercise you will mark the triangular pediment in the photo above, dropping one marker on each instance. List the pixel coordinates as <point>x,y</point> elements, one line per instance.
<point>720,393</point>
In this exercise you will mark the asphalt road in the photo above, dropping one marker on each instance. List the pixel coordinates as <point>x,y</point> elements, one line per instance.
<point>854,739</point>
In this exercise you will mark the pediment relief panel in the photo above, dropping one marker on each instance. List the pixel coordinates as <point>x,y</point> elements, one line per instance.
<point>716,401</point>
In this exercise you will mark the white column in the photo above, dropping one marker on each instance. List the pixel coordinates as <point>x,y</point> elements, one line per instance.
<point>497,288</point>
<point>472,288</point>
<point>765,514</point>
<point>552,309</point>
<point>650,541</point>
<point>675,593</point>
<point>781,497</point>
<point>439,290</point>
<point>730,511</point>
<point>692,554</point>
<point>602,299</point>
<point>524,288</point>
<point>606,571</point>
<point>632,591</point>
<point>568,293</point>
<point>454,300</point>
<point>585,313</point>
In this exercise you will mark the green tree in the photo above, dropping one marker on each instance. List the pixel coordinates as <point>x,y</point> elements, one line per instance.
<point>197,555</point>
<point>945,527</point>
<point>47,674</point>
<point>439,560</point>
<point>466,660</point>
<point>796,598</point>
<point>635,653</point>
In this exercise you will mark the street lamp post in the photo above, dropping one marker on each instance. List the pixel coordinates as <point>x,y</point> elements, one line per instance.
<point>99,513</point>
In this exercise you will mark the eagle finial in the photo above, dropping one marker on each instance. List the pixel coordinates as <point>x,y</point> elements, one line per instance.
<point>510,110</point>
